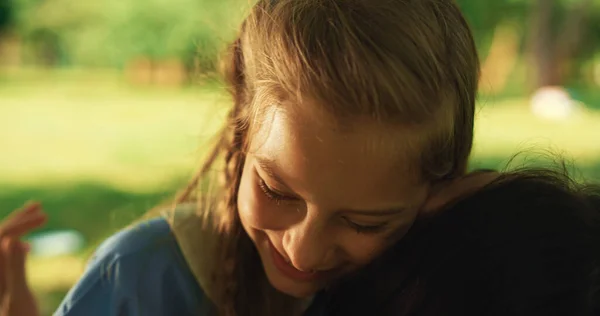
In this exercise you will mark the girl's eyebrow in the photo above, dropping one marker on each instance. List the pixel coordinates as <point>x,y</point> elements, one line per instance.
<point>269,167</point>
<point>378,213</point>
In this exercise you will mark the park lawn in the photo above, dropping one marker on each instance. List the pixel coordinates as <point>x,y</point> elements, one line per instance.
<point>99,152</point>
<point>78,129</point>
<point>505,127</point>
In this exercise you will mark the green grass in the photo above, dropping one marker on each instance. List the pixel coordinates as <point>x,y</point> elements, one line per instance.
<point>100,129</point>
<point>504,127</point>
<point>99,152</point>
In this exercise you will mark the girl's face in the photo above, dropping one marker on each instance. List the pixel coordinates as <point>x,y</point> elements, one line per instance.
<point>318,202</point>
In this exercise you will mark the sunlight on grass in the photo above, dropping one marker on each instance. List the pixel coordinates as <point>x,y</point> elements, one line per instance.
<point>506,127</point>
<point>46,274</point>
<point>51,278</point>
<point>74,131</point>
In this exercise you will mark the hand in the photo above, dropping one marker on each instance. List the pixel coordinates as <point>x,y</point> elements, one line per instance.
<point>16,299</point>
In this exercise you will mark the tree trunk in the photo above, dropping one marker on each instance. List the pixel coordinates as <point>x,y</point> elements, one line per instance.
<point>551,55</point>
<point>568,43</point>
<point>541,44</point>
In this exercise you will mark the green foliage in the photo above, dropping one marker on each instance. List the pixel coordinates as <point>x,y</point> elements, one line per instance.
<point>6,14</point>
<point>113,32</point>
<point>110,33</point>
<point>484,15</point>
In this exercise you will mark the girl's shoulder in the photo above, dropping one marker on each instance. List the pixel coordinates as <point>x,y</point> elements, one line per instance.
<point>150,235</point>
<point>138,271</point>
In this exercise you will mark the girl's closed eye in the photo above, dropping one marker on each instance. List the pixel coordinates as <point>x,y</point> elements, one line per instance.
<point>278,197</point>
<point>273,194</point>
<point>365,229</point>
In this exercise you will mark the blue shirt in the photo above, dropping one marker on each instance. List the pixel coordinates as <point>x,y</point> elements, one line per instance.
<point>139,271</point>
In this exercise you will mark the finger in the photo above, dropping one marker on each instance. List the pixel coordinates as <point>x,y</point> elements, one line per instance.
<point>2,273</point>
<point>31,206</point>
<point>23,212</point>
<point>23,226</point>
<point>30,209</point>
<point>17,224</point>
<point>14,267</point>
<point>18,299</point>
<point>25,247</point>
<point>23,220</point>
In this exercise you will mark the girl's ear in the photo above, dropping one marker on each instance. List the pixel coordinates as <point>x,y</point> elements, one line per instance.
<point>447,192</point>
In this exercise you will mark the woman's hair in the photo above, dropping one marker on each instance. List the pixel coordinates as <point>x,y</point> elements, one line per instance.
<point>410,63</point>
<point>526,244</point>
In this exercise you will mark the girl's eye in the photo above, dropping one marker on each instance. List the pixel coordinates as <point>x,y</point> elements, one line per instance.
<point>365,229</point>
<point>272,194</point>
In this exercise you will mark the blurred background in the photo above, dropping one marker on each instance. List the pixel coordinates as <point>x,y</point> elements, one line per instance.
<point>107,107</point>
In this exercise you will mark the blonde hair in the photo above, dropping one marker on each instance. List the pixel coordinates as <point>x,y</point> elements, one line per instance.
<point>402,62</point>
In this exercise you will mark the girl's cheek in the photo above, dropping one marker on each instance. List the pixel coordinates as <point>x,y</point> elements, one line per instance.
<point>361,249</point>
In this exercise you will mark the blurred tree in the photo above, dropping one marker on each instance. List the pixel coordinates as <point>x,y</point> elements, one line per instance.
<point>6,15</point>
<point>559,36</point>
<point>114,33</point>
<point>552,48</point>
<point>157,34</point>
<point>541,43</point>
<point>485,16</point>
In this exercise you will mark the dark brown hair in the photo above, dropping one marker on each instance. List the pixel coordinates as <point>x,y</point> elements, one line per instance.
<point>527,244</point>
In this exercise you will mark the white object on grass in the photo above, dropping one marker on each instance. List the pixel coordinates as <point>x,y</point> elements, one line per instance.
<point>56,243</point>
<point>553,103</point>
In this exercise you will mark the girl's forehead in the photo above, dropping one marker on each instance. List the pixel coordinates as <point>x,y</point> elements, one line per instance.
<point>313,129</point>
<point>371,162</point>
